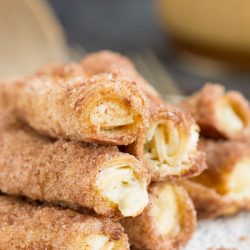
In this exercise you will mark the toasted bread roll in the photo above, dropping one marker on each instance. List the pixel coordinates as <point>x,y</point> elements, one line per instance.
<point>106,61</point>
<point>169,146</point>
<point>167,223</point>
<point>29,226</point>
<point>60,101</point>
<point>73,174</point>
<point>226,181</point>
<point>220,114</point>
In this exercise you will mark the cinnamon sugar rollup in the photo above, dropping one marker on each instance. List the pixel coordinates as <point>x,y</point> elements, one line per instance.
<point>60,101</point>
<point>73,174</point>
<point>226,181</point>
<point>167,223</point>
<point>220,114</point>
<point>169,146</point>
<point>208,203</point>
<point>29,226</point>
<point>106,61</point>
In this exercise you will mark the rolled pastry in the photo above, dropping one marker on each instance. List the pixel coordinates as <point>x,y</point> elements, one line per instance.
<point>106,61</point>
<point>62,102</point>
<point>208,203</point>
<point>167,223</point>
<point>29,226</point>
<point>70,173</point>
<point>220,114</point>
<point>169,146</point>
<point>226,181</point>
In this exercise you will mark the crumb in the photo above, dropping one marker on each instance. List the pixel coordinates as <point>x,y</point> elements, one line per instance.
<point>243,238</point>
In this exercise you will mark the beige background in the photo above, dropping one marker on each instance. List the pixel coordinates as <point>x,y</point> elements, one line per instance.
<point>30,36</point>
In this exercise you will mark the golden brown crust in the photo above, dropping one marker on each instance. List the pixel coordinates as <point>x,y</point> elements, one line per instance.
<point>142,229</point>
<point>168,114</point>
<point>28,226</point>
<point>203,106</point>
<point>106,61</point>
<point>223,154</point>
<point>159,111</point>
<point>210,190</point>
<point>221,159</point>
<point>208,203</point>
<point>58,101</point>
<point>57,171</point>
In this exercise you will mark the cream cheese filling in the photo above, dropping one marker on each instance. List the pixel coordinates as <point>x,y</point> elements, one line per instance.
<point>110,114</point>
<point>167,148</point>
<point>229,118</point>
<point>93,242</point>
<point>238,183</point>
<point>99,242</point>
<point>120,185</point>
<point>165,209</point>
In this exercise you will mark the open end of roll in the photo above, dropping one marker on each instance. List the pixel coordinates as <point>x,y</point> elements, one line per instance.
<point>230,116</point>
<point>238,182</point>
<point>166,211</point>
<point>121,186</point>
<point>95,242</point>
<point>110,115</point>
<point>168,146</point>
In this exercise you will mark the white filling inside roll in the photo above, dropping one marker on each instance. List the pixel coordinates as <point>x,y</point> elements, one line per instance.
<point>229,118</point>
<point>239,181</point>
<point>98,242</point>
<point>165,209</point>
<point>120,185</point>
<point>110,114</point>
<point>168,147</point>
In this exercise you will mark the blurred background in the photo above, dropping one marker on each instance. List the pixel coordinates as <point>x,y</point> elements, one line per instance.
<point>185,43</point>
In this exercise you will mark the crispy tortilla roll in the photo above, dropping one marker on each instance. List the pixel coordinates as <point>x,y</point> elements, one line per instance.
<point>62,103</point>
<point>208,203</point>
<point>227,178</point>
<point>28,226</point>
<point>220,114</point>
<point>167,223</point>
<point>77,175</point>
<point>169,147</point>
<point>106,61</point>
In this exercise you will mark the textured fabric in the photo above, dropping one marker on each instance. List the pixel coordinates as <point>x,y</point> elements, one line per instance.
<point>232,233</point>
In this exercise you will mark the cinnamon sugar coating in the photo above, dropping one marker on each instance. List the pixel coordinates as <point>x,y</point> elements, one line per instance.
<point>221,158</point>
<point>222,188</point>
<point>106,61</point>
<point>208,203</point>
<point>172,117</point>
<point>160,112</point>
<point>212,104</point>
<point>29,226</point>
<point>61,172</point>
<point>63,102</point>
<point>142,230</point>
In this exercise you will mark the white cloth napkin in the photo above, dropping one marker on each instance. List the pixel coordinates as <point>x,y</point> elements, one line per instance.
<point>231,233</point>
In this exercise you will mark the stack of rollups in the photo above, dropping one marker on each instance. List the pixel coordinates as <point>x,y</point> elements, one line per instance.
<point>224,118</point>
<point>91,157</point>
